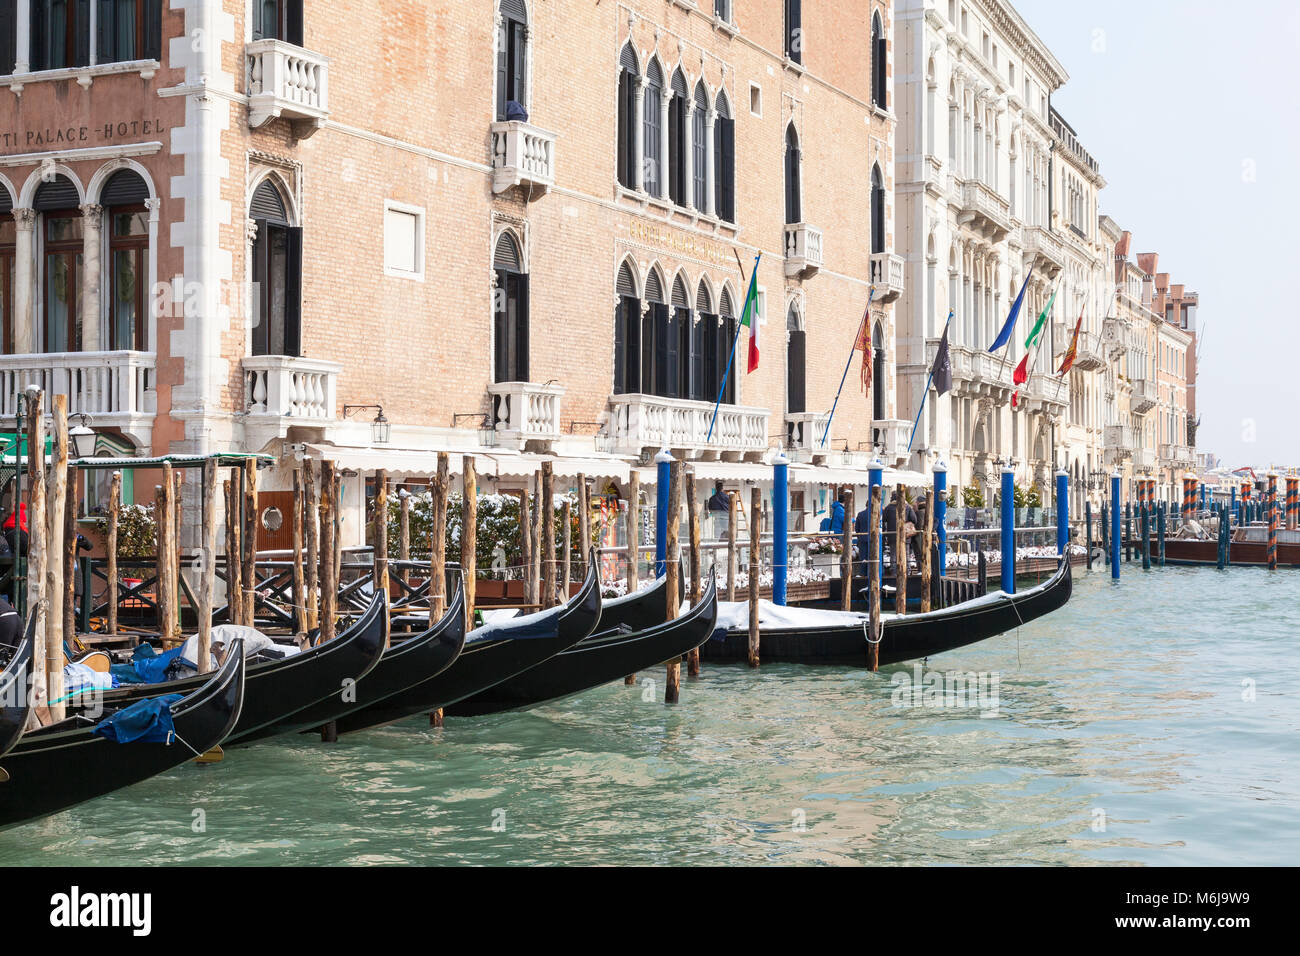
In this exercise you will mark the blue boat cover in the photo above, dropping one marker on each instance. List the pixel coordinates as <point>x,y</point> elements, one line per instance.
<point>152,666</point>
<point>148,720</point>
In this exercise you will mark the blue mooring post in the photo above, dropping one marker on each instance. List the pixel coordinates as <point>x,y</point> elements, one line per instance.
<point>1008,531</point>
<point>1087,521</point>
<point>663,461</point>
<point>1062,512</point>
<point>1202,496</point>
<point>1160,534</point>
<point>876,476</point>
<point>1145,524</point>
<point>1114,526</point>
<point>780,526</point>
<point>941,514</point>
<point>1105,533</point>
<point>1232,502</point>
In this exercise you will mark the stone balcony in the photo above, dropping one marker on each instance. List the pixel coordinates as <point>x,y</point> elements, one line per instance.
<point>1045,249</point>
<point>888,275</point>
<point>1145,396</point>
<point>285,391</point>
<point>112,389</point>
<point>1115,335</point>
<point>1046,393</point>
<point>1176,456</point>
<point>890,436</point>
<point>804,431</point>
<point>284,80</point>
<point>985,210</point>
<point>1120,441</point>
<point>1091,354</point>
<point>523,412</point>
<point>975,372</point>
<point>647,423</point>
<point>522,155</point>
<point>1144,459</point>
<point>803,250</point>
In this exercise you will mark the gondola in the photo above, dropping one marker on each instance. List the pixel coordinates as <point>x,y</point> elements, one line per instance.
<point>66,763</point>
<point>911,637</point>
<point>277,688</point>
<point>492,653</point>
<point>15,690</point>
<point>407,662</point>
<point>609,655</point>
<point>1247,548</point>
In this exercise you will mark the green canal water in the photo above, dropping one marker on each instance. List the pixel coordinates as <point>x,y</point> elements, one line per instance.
<point>1156,721</point>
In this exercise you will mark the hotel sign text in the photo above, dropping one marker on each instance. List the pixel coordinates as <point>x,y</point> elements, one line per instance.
<point>92,134</point>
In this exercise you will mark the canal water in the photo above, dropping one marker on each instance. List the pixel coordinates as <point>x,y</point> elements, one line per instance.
<point>1154,721</point>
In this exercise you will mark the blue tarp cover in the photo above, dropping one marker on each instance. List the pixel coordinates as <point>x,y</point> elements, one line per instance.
<point>147,720</point>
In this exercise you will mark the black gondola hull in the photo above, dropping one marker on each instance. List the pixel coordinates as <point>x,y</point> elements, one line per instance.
<point>491,654</point>
<point>64,764</point>
<point>274,690</point>
<point>15,691</point>
<point>908,638</point>
<point>601,658</point>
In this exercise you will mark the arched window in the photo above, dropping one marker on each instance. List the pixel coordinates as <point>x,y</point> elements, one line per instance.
<point>878,408</point>
<point>679,343</point>
<point>877,210</point>
<point>651,103</point>
<point>724,157</point>
<point>793,31</point>
<point>654,338</point>
<point>277,20</point>
<point>793,212</point>
<point>8,250</point>
<point>700,147</point>
<point>277,274</point>
<point>726,340</point>
<point>510,326</point>
<point>877,62</point>
<point>628,78</point>
<point>678,111</point>
<point>704,347</point>
<point>795,363</point>
<point>123,199</point>
<point>627,333</point>
<point>512,56</point>
<point>61,229</point>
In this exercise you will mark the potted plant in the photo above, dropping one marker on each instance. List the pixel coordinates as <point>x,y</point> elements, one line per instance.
<point>1034,502</point>
<point>824,554</point>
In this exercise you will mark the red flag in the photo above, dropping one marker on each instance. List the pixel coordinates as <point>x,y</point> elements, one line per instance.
<point>864,343</point>
<point>1021,374</point>
<point>1068,362</point>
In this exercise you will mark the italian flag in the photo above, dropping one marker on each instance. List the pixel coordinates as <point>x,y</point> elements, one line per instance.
<point>1021,374</point>
<point>749,317</point>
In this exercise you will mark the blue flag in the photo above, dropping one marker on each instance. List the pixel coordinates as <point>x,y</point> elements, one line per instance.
<point>1010,325</point>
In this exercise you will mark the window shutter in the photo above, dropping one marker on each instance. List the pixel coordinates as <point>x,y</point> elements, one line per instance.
<point>507,254</point>
<point>675,150</point>
<point>648,351</point>
<point>6,205</point>
<point>521,329</point>
<point>293,22</point>
<point>503,72</point>
<point>518,63</point>
<point>703,302</point>
<point>692,348</point>
<point>626,285</point>
<point>293,293</point>
<point>795,372</point>
<point>58,193</point>
<point>104,33</point>
<point>654,290</point>
<point>672,369</point>
<point>124,188</point>
<point>267,204</point>
<point>8,35</point>
<point>82,26</point>
<point>620,348</point>
<point>153,30</point>
<point>514,9</point>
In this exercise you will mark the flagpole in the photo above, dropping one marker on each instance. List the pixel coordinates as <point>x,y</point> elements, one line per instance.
<point>735,340</point>
<point>926,394</point>
<point>866,315</point>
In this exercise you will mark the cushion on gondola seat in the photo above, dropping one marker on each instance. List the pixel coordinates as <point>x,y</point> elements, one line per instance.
<point>148,721</point>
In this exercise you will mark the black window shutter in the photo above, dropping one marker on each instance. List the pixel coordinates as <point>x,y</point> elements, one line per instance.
<point>701,157</point>
<point>692,377</point>
<point>675,150</point>
<point>293,22</point>
<point>620,349</point>
<point>261,245</point>
<point>796,372</point>
<point>518,63</point>
<point>152,30</point>
<point>503,70</point>
<point>81,54</point>
<point>793,31</point>
<point>792,210</point>
<point>625,109</point>
<point>521,328</point>
<point>104,33</point>
<point>632,322</point>
<point>8,35</point>
<point>648,351</point>
<point>729,337</point>
<point>293,292</point>
<point>500,329</point>
<point>726,164</point>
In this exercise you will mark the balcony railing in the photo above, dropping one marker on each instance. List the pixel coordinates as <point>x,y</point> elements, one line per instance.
<point>803,249</point>
<point>1176,455</point>
<point>1120,440</point>
<point>985,209</point>
<point>1144,459</point>
<point>804,431</point>
<point>524,412</point>
<point>522,155</point>
<point>646,422</point>
<point>1145,396</point>
<point>974,371</point>
<point>283,391</point>
<point>1045,249</point>
<point>112,389</point>
<point>1045,391</point>
<point>1090,355</point>
<point>887,275</point>
<point>891,436</point>
<point>288,81</point>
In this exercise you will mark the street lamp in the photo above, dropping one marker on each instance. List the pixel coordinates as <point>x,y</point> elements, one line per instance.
<point>380,427</point>
<point>82,438</point>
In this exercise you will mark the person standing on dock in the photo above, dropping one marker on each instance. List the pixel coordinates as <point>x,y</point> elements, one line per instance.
<point>889,517</point>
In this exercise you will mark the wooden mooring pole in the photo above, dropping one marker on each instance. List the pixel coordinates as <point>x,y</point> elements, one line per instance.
<point>311,520</point>
<point>633,541</point>
<point>37,556</point>
<point>755,542</point>
<point>928,546</point>
<point>114,516</point>
<point>673,569</point>
<point>164,528</point>
<point>299,573</point>
<point>56,501</point>
<point>381,547</point>
<point>900,551</point>
<point>846,553</point>
<point>469,535</point>
<point>547,534</point>
<point>208,563</point>
<point>697,572</point>
<point>873,575</point>
<point>438,555</point>
<point>251,522</point>
<point>733,557</point>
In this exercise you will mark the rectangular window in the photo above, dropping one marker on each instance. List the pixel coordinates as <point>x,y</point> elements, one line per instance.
<point>278,20</point>
<point>793,31</point>
<point>8,35</point>
<point>128,246</point>
<point>403,241</point>
<point>60,34</point>
<point>511,49</point>
<point>722,10</point>
<point>63,268</point>
<point>128,30</point>
<point>755,99</point>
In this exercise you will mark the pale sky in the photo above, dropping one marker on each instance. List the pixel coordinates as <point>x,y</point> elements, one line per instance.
<point>1192,109</point>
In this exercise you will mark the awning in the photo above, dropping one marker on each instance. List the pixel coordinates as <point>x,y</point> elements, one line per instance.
<point>488,462</point>
<point>741,471</point>
<point>813,474</point>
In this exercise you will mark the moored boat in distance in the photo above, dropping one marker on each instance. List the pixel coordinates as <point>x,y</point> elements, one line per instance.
<point>841,638</point>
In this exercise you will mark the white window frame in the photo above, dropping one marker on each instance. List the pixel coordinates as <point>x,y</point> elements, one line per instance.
<point>392,205</point>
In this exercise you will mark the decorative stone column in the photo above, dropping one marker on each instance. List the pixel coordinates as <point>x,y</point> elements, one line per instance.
<point>151,318</point>
<point>92,220</point>
<point>665,97</point>
<point>25,323</point>
<point>710,164</point>
<point>638,170</point>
